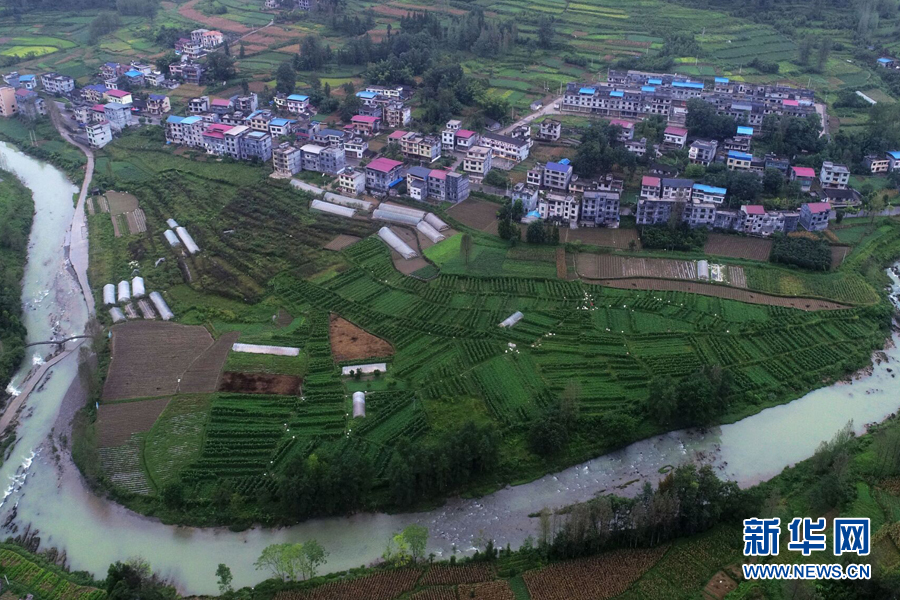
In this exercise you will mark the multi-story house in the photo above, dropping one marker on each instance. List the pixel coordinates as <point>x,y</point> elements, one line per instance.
<point>675,137</point>
<point>199,105</point>
<point>626,129</point>
<point>365,125</point>
<point>738,143</point>
<point>417,182</point>
<point>246,104</point>
<point>30,104</point>
<point>677,189</point>
<point>352,181</point>
<point>834,175</point>
<point>8,104</point>
<point>779,163</point>
<point>135,78</point>
<point>637,147</point>
<point>755,220</point>
<point>118,115</point>
<point>893,157</point>
<point>708,194</point>
<point>287,159</point>
<point>356,147</point>
<point>192,72</point>
<point>505,147</point>
<point>877,164</point>
<point>54,83</point>
<point>279,127</point>
<point>158,104</point>
<point>321,159</point>
<point>551,130</point>
<point>233,141</point>
<point>477,162</point>
<point>553,175</point>
<point>120,96</point>
<point>93,93</point>
<point>112,70</point>
<point>559,208</point>
<point>651,187</point>
<point>814,216</point>
<point>599,209</point>
<point>382,174</point>
<point>329,137</point>
<point>259,120</point>
<point>739,161</point>
<point>420,147</point>
<point>699,214</point>
<point>703,152</point>
<point>297,103</point>
<point>99,134</point>
<point>456,187</point>
<point>397,114</point>
<point>655,211</point>
<point>804,176</point>
<point>220,106</point>
<point>211,39</point>
<point>257,145</point>
<point>527,195</point>
<point>214,139</point>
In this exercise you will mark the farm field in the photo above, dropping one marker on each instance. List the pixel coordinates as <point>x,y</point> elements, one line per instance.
<point>349,342</point>
<point>733,246</point>
<point>608,266</point>
<point>623,239</point>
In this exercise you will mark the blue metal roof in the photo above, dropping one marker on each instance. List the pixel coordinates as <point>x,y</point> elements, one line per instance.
<point>279,122</point>
<point>885,60</point>
<point>174,119</point>
<point>365,94</point>
<point>96,87</point>
<point>739,155</point>
<point>133,73</point>
<point>696,85</point>
<point>744,130</point>
<point>564,161</point>
<point>330,132</point>
<point>157,97</point>
<point>587,90</point>
<point>558,167</point>
<point>420,172</point>
<point>617,94</point>
<point>648,88</point>
<point>188,120</point>
<point>722,80</point>
<point>395,182</point>
<point>709,189</point>
<point>654,81</point>
<point>298,97</point>
<point>895,154</point>
<point>535,214</point>
<point>26,77</point>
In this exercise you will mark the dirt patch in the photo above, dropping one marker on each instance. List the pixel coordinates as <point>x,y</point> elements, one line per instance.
<point>561,271</point>
<point>610,266</point>
<point>733,246</point>
<point>340,242</point>
<point>720,586</point>
<point>721,291</point>
<point>603,236</point>
<point>283,318</point>
<point>349,342</point>
<point>838,254</point>
<point>260,383</point>
<point>148,358</point>
<point>203,374</point>
<point>121,203</point>
<point>117,422</point>
<point>477,214</point>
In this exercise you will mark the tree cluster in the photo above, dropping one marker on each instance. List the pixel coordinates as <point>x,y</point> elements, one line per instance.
<point>680,237</point>
<point>703,122</point>
<point>542,232</point>
<point>599,152</point>
<point>803,252</point>
<point>695,400</point>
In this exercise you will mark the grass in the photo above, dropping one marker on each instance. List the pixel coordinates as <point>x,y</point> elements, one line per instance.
<point>175,439</point>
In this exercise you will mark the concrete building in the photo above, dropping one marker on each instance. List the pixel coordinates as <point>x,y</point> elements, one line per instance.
<point>60,85</point>
<point>158,104</point>
<point>738,161</point>
<point>559,208</point>
<point>834,175</point>
<point>118,115</point>
<point>477,162</point>
<point>675,137</point>
<point>287,159</point>
<point>382,174</point>
<point>99,134</point>
<point>550,130</point>
<point>352,181</point>
<point>804,176</point>
<point>8,103</point>
<point>599,209</point>
<point>703,152</point>
<point>708,194</point>
<point>329,160</point>
<point>553,175</point>
<point>814,216</point>
<point>506,147</point>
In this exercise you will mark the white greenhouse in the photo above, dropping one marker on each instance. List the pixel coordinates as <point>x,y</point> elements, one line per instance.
<point>109,294</point>
<point>124,291</point>
<point>430,232</point>
<point>393,240</point>
<point>703,270</point>
<point>435,221</point>
<point>171,238</point>
<point>137,287</point>
<point>172,223</point>
<point>116,314</point>
<point>403,210</point>
<point>188,241</point>
<point>332,209</point>
<point>512,319</point>
<point>347,201</point>
<point>161,307</point>
<point>359,404</point>
<point>395,217</point>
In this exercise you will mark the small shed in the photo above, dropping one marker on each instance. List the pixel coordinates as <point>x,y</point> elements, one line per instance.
<point>124,291</point>
<point>359,404</point>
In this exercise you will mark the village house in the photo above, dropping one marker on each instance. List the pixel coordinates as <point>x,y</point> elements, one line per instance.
<point>416,146</point>
<point>559,208</point>
<point>505,147</point>
<point>99,134</point>
<point>708,194</point>
<point>329,137</point>
<point>382,174</point>
<point>738,161</point>
<point>54,83</point>
<point>814,216</point>
<point>30,104</point>
<point>553,175</point>
<point>778,163</point>
<point>637,147</point>
<point>93,93</point>
<point>259,120</point>
<point>675,137</point>
<point>893,157</point>
<point>804,176</point>
<point>118,115</point>
<point>297,103</point>
<point>626,129</point>
<point>677,189</point>
<point>8,105</point>
<point>703,152</point>
<point>478,162</point>
<point>738,143</point>
<point>364,125</point>
<point>329,160</point>
<point>599,209</point>
<point>356,147</point>
<point>551,130</point>
<point>651,187</point>
<point>877,164</point>
<point>279,127</point>
<point>397,114</point>
<point>833,175</point>
<point>120,96</point>
<point>352,181</point>
<point>158,104</point>
<point>287,159</point>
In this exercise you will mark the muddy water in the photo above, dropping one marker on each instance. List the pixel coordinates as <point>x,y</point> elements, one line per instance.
<point>95,532</point>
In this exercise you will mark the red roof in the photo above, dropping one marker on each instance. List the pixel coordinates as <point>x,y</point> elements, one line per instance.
<point>220,102</point>
<point>754,209</point>
<point>219,127</point>
<point>652,181</point>
<point>671,130</point>
<point>98,107</point>
<point>464,133</point>
<point>117,93</point>
<point>214,134</point>
<point>438,174</point>
<point>790,103</point>
<point>397,135</point>
<point>385,165</point>
<point>818,207</point>
<point>804,172</point>
<point>626,124</point>
<point>24,92</point>
<point>364,119</point>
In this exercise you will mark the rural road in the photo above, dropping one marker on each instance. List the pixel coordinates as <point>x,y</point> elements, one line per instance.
<point>547,109</point>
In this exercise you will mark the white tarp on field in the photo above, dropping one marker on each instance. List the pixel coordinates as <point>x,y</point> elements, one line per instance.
<point>260,349</point>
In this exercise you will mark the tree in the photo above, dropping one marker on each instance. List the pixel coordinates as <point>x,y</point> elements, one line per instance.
<point>773,182</point>
<point>416,537</point>
<point>105,22</point>
<point>545,31</point>
<point>535,233</point>
<point>163,62</point>
<point>285,78</point>
<point>220,66</point>
<point>242,52</point>
<point>823,54</point>
<point>289,562</point>
<point>876,205</point>
<point>223,574</point>
<point>805,51</point>
<point>226,49</point>
<point>548,434</point>
<point>349,107</point>
<point>465,247</point>
<point>703,121</point>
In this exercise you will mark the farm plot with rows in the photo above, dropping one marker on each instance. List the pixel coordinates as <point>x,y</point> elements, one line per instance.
<point>386,585</point>
<point>733,246</point>
<point>43,582</point>
<point>117,422</point>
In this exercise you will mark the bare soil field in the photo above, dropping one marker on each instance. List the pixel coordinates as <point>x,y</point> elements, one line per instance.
<point>349,342</point>
<point>283,318</point>
<point>121,203</point>
<point>203,374</point>
<point>260,383</point>
<point>610,266</point>
<point>721,291</point>
<point>149,357</point>
<point>477,214</point>
<point>340,242</point>
<point>602,236</point>
<point>411,237</point>
<point>720,244</point>
<point>116,422</point>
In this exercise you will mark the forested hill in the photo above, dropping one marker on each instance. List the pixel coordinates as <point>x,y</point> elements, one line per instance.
<point>16,212</point>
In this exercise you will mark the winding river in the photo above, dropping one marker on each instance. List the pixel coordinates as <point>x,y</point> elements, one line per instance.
<point>47,492</point>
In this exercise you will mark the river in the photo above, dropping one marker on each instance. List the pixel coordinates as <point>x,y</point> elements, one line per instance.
<point>48,492</point>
